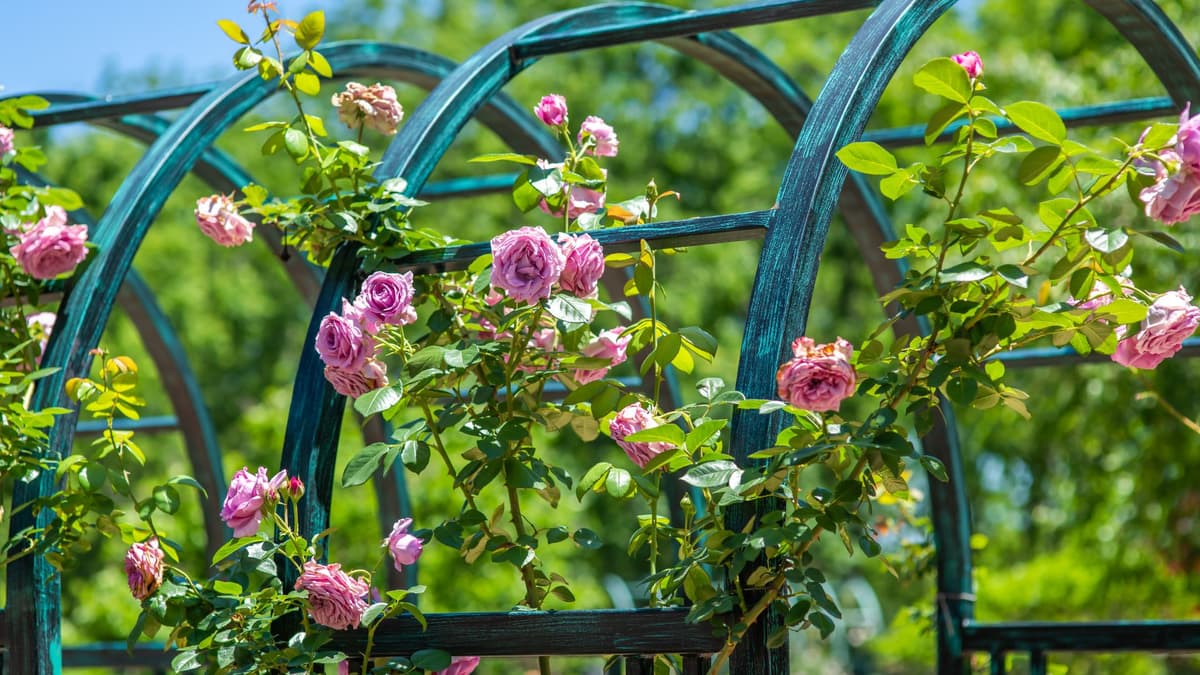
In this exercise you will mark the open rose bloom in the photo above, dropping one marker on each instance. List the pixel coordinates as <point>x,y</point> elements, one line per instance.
<point>1171,319</point>
<point>819,377</point>
<point>50,246</point>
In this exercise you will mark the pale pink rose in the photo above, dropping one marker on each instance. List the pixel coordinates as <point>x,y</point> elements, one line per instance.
<point>460,665</point>
<point>552,110</point>
<point>246,497</point>
<point>335,599</point>
<point>41,324</point>
<point>1171,319</point>
<point>144,567</point>
<point>1101,295</point>
<point>609,344</point>
<point>1173,199</point>
<point>630,420</point>
<point>218,218</point>
<point>603,137</point>
<point>1187,143</point>
<point>971,63</point>
<point>50,247</point>
<point>386,298</point>
<point>342,342</point>
<point>526,263</point>
<point>6,140</point>
<point>584,264</point>
<point>375,107</point>
<point>819,377</point>
<point>356,382</point>
<point>403,547</point>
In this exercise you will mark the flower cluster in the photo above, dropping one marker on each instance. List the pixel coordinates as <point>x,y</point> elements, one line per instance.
<point>527,264</point>
<point>818,377</point>
<point>250,495</point>
<point>1175,195</point>
<point>346,342</point>
<point>50,246</point>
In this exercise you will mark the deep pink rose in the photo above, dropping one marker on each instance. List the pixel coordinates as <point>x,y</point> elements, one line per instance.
<point>51,247</point>
<point>609,344</point>
<point>526,263</point>
<point>552,110</point>
<point>247,495</point>
<point>342,342</point>
<point>1173,199</point>
<point>1171,319</point>
<point>603,137</point>
<point>41,325</point>
<point>819,377</point>
<point>971,63</point>
<point>584,264</point>
<point>632,419</point>
<point>1187,140</point>
<point>336,599</point>
<point>144,567</point>
<point>354,383</point>
<point>375,107</point>
<point>6,140</point>
<point>386,298</point>
<point>460,665</point>
<point>218,218</point>
<point>403,547</point>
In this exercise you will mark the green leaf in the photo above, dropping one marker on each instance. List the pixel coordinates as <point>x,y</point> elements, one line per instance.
<point>711,474</point>
<point>1038,164</point>
<point>942,119</point>
<point>619,483</point>
<point>943,77</point>
<point>362,466</point>
<point>307,83</point>
<point>1124,310</point>
<point>1164,239</point>
<point>319,64</point>
<point>569,309</point>
<point>703,432</point>
<point>430,659</point>
<point>379,400</point>
<point>935,468</point>
<point>700,341</point>
<point>1013,275</point>
<point>869,158</point>
<point>1159,135</point>
<point>668,433</point>
<point>587,539</point>
<point>310,31</point>
<point>506,157</point>
<point>186,661</point>
<point>228,548</point>
<point>1106,241</point>
<point>967,271</point>
<point>234,31</point>
<point>1037,120</point>
<point>592,478</point>
<point>373,612</point>
<point>166,498</point>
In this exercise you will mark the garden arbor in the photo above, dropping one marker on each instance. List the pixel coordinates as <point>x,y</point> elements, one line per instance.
<point>794,232</point>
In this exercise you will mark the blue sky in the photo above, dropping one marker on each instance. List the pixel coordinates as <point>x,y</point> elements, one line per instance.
<point>66,45</point>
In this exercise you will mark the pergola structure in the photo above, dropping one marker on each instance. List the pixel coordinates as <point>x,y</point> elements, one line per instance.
<point>794,230</point>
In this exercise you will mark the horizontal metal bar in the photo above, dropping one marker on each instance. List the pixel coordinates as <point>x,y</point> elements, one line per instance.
<point>667,234</point>
<point>1131,110</point>
<point>684,24</point>
<point>114,654</point>
<point>1100,636</point>
<point>468,186</point>
<point>119,106</point>
<point>1066,356</point>
<point>146,424</point>
<point>529,633</point>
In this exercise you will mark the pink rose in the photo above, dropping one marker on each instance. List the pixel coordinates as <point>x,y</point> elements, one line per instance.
<point>542,344</point>
<point>335,599</point>
<point>1173,199</point>
<point>6,140</point>
<point>1101,295</point>
<point>375,107</point>
<point>971,63</point>
<point>1187,143</point>
<point>584,264</point>
<point>819,377</point>
<point>552,110</point>
<point>610,345</point>
<point>342,343</point>
<point>218,218</point>
<point>526,263</point>
<point>386,298</point>
<point>630,420</point>
<point>1171,319</point>
<point>51,247</point>
<point>354,383</point>
<point>144,567</point>
<point>603,137</point>
<point>403,547</point>
<point>580,200</point>
<point>246,497</point>
<point>41,325</point>
<point>460,665</point>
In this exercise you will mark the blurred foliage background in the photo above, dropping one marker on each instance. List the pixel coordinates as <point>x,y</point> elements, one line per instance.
<point>1088,512</point>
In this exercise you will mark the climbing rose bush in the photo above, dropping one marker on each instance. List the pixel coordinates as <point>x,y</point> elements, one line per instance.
<point>819,377</point>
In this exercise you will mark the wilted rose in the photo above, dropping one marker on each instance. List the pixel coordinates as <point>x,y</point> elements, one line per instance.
<point>218,218</point>
<point>335,599</point>
<point>356,382</point>
<point>144,567</point>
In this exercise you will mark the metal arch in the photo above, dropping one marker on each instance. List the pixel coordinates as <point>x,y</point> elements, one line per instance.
<point>33,619</point>
<point>1144,25</point>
